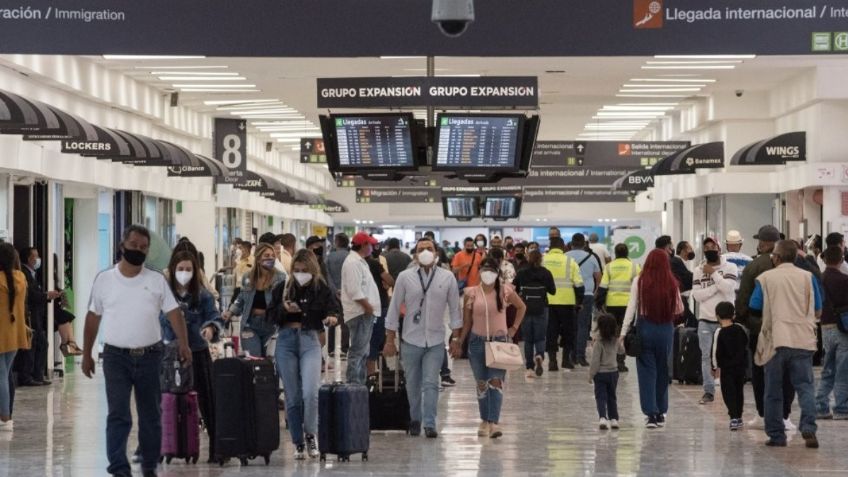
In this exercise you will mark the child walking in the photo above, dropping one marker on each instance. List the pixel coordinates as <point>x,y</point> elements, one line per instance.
<point>730,356</point>
<point>603,371</point>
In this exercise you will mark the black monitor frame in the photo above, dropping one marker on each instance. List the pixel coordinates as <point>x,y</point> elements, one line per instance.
<point>476,200</point>
<point>485,199</point>
<point>481,173</point>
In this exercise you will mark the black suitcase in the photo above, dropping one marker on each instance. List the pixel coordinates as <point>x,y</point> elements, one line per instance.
<point>690,357</point>
<point>247,417</point>
<point>388,402</point>
<point>343,421</point>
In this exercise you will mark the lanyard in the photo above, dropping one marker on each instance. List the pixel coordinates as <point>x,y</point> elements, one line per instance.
<point>425,288</point>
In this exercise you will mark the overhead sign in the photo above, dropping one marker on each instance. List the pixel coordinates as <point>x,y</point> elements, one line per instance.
<point>360,29</point>
<point>312,151</point>
<point>397,194</point>
<point>230,144</point>
<point>422,91</point>
<point>780,149</point>
<point>700,156</point>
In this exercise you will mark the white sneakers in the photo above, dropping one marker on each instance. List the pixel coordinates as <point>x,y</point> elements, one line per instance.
<point>530,374</point>
<point>756,423</point>
<point>603,424</point>
<point>7,426</point>
<point>788,426</point>
<point>614,424</point>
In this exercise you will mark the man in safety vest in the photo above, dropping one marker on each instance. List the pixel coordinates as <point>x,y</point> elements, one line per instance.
<point>614,291</point>
<point>562,316</point>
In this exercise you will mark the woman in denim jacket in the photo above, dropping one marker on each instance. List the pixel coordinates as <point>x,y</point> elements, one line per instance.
<point>203,323</point>
<point>254,301</point>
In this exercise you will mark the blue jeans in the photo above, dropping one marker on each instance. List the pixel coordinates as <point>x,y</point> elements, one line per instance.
<point>489,396</point>
<point>798,364</point>
<point>255,335</point>
<point>360,342</point>
<point>378,336</point>
<point>5,390</point>
<point>298,360</point>
<point>123,372</point>
<point>422,366</point>
<point>584,325</point>
<point>605,396</point>
<point>534,330</point>
<point>652,366</point>
<point>706,332</point>
<point>834,375</point>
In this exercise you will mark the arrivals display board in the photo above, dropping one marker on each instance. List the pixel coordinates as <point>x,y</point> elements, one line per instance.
<point>461,207</point>
<point>371,28</point>
<point>501,207</point>
<point>373,141</point>
<point>478,142</point>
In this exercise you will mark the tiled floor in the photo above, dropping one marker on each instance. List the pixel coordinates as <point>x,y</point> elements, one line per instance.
<point>550,428</point>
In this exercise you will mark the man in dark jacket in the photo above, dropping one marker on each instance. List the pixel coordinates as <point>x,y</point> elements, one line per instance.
<point>31,365</point>
<point>834,375</point>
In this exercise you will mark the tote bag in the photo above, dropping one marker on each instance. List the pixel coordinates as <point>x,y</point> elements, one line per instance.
<point>501,355</point>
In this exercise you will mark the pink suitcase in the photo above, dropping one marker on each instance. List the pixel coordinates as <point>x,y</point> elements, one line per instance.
<point>180,427</point>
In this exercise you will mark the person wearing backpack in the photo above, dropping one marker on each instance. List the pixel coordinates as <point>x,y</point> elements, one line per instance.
<point>534,283</point>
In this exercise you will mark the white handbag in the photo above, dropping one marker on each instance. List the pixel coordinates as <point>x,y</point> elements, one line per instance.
<point>501,355</point>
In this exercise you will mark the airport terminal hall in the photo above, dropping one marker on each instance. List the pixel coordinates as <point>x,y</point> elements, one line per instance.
<point>424,237</point>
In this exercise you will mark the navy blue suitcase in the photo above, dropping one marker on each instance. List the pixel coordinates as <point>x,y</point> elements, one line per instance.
<point>343,421</point>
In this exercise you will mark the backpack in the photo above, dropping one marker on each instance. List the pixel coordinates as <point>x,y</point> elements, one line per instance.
<point>535,296</point>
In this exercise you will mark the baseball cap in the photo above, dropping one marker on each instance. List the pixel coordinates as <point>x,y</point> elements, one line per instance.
<point>711,240</point>
<point>734,237</point>
<point>768,233</point>
<point>361,238</point>
<point>833,239</point>
<point>313,240</point>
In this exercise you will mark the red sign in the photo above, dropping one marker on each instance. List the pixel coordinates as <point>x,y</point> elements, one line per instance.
<point>647,14</point>
<point>624,149</point>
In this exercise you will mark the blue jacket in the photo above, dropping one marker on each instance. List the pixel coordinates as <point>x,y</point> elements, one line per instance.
<point>196,318</point>
<point>244,302</point>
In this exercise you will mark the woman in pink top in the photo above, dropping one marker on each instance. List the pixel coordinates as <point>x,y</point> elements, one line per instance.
<point>484,314</point>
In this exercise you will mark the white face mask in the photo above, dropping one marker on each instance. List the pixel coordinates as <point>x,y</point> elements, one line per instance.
<point>183,277</point>
<point>238,254</point>
<point>481,244</point>
<point>426,258</point>
<point>302,278</point>
<point>488,277</point>
<point>37,264</point>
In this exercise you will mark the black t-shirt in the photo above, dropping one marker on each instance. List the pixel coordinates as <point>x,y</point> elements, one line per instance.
<point>731,353</point>
<point>376,272</point>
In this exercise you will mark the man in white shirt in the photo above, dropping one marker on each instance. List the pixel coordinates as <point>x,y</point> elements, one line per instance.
<point>287,246</point>
<point>834,239</point>
<point>428,291</point>
<point>128,299</point>
<point>734,254</point>
<point>714,281</point>
<point>360,299</point>
<point>599,249</point>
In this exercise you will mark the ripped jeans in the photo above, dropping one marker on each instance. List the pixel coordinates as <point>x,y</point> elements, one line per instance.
<point>489,381</point>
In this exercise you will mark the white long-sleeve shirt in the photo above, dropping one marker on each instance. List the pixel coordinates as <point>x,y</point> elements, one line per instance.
<point>358,283</point>
<point>710,290</point>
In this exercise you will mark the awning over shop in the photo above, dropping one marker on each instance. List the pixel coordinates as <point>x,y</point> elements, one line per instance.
<point>635,181</point>
<point>19,115</point>
<point>699,156</point>
<point>773,151</point>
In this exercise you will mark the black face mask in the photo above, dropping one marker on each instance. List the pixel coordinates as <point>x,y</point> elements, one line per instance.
<point>134,257</point>
<point>469,250</point>
<point>319,252</point>
<point>520,257</point>
<point>711,256</point>
<point>690,256</point>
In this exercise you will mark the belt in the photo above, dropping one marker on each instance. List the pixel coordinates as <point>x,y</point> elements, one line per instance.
<point>135,351</point>
<point>828,325</point>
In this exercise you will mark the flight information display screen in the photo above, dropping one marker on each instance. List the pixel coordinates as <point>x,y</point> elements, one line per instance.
<point>501,207</point>
<point>461,207</point>
<point>478,142</point>
<point>383,141</point>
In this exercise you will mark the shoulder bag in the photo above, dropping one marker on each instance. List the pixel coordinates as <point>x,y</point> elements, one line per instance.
<point>499,354</point>
<point>464,283</point>
<point>633,340</point>
<point>840,314</point>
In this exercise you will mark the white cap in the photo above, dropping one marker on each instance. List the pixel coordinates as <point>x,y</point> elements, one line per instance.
<point>734,237</point>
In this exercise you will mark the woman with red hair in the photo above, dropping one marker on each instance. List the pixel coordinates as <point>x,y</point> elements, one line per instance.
<point>654,303</point>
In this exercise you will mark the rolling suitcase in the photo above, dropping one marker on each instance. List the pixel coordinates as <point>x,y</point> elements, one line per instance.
<point>247,418</point>
<point>388,403</point>
<point>180,427</point>
<point>343,417</point>
<point>690,357</point>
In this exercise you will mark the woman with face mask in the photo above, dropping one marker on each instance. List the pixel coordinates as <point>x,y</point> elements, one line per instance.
<point>253,301</point>
<point>203,323</point>
<point>484,319</point>
<point>480,241</point>
<point>301,307</point>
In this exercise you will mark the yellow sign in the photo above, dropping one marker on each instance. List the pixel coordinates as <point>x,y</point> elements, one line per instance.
<point>319,230</point>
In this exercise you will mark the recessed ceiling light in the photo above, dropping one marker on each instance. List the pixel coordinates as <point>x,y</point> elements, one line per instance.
<point>215,85</point>
<point>665,87</point>
<point>202,78</point>
<point>150,57</point>
<point>281,123</point>
<point>674,80</point>
<point>707,57</point>
<point>635,108</point>
<point>711,62</point>
<point>648,104</point>
<point>239,101</point>
<point>194,73</point>
<point>624,114</point>
<point>403,57</point>
<point>256,107</point>
<point>628,95</point>
<point>689,67</point>
<point>262,111</point>
<point>290,140</point>
<point>287,134</point>
<point>219,90</point>
<point>659,90</point>
<point>172,67</point>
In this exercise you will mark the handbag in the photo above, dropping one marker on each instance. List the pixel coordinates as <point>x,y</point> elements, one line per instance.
<point>499,354</point>
<point>632,339</point>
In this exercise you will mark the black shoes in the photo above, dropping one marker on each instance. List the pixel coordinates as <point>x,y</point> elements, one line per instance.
<point>567,363</point>
<point>774,443</point>
<point>415,428</point>
<point>447,381</point>
<point>583,362</point>
<point>539,370</point>
<point>552,362</point>
<point>660,420</point>
<point>810,440</point>
<point>430,433</point>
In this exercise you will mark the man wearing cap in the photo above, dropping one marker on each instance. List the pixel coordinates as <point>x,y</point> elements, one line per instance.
<point>834,239</point>
<point>360,300</point>
<point>734,254</point>
<point>714,282</point>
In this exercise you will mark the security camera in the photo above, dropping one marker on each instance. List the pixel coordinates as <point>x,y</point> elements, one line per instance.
<point>453,16</point>
<point>739,93</point>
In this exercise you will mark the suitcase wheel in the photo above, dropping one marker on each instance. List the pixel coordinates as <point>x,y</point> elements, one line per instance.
<point>243,461</point>
<point>168,459</point>
<point>194,459</point>
<point>267,459</point>
<point>344,458</point>
<point>323,457</point>
<point>364,457</point>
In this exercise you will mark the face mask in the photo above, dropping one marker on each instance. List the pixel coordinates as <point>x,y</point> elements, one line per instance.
<point>520,256</point>
<point>238,254</point>
<point>37,264</point>
<point>711,256</point>
<point>183,277</point>
<point>269,263</point>
<point>481,244</point>
<point>469,250</point>
<point>302,278</point>
<point>319,252</point>
<point>690,256</point>
<point>426,258</point>
<point>134,257</point>
<point>488,277</point>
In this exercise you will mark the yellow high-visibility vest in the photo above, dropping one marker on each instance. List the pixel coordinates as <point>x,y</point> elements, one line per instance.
<point>617,279</point>
<point>566,276</point>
